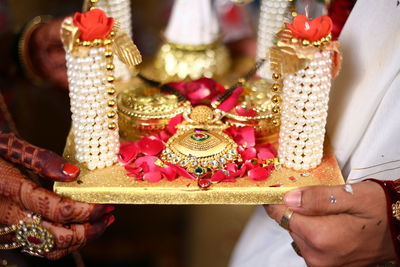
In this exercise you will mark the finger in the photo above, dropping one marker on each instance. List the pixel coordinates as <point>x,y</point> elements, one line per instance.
<point>43,162</point>
<point>64,235</point>
<point>59,253</point>
<point>326,200</point>
<point>30,197</point>
<point>303,226</point>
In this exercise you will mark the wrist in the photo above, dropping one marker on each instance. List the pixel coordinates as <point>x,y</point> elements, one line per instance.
<point>393,211</point>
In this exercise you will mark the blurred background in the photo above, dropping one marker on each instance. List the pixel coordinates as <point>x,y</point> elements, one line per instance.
<point>150,236</point>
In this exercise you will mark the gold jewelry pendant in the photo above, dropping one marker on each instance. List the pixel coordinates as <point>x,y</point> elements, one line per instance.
<point>200,145</point>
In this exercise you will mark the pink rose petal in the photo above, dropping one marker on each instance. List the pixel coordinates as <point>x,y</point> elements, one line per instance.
<point>259,173</point>
<point>150,145</point>
<point>128,152</point>
<point>232,100</point>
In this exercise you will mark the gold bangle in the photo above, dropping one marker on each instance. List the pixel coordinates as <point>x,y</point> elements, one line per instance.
<point>23,50</point>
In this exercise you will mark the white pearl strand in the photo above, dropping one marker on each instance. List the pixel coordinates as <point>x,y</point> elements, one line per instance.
<point>120,10</point>
<point>272,18</point>
<point>304,111</point>
<point>95,143</point>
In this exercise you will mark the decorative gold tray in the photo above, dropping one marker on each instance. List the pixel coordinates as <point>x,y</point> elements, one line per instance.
<point>111,185</point>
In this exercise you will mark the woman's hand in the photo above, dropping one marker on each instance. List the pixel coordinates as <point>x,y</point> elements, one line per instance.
<point>71,223</point>
<point>333,227</point>
<point>47,53</point>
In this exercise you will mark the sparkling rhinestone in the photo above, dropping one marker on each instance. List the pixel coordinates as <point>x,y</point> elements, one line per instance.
<point>233,152</point>
<point>184,162</point>
<point>204,163</point>
<point>214,163</point>
<point>228,156</point>
<point>166,151</point>
<point>175,160</point>
<point>204,184</point>
<point>222,160</point>
<point>194,163</point>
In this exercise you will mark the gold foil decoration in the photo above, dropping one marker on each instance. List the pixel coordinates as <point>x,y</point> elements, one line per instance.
<point>289,55</point>
<point>69,33</point>
<point>126,50</point>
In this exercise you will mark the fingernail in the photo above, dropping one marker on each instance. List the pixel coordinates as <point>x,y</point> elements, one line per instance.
<point>70,169</point>
<point>293,198</point>
<point>109,208</point>
<point>110,220</point>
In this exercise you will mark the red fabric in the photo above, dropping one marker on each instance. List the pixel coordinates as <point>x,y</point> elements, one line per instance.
<point>392,194</point>
<point>339,11</point>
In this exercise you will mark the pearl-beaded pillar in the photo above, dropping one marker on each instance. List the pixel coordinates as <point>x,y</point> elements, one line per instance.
<point>304,112</point>
<point>120,10</point>
<point>93,105</point>
<point>273,15</point>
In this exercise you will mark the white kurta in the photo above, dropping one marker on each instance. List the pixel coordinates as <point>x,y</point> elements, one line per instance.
<point>363,122</point>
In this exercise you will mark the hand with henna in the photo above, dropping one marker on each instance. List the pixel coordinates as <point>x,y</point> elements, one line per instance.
<point>47,53</point>
<point>71,223</point>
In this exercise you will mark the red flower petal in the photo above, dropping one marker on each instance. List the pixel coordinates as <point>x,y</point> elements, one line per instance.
<point>248,153</point>
<point>181,171</point>
<point>169,173</point>
<point>265,151</point>
<point>243,136</point>
<point>218,176</point>
<point>153,176</point>
<point>259,173</point>
<point>147,163</point>
<point>127,152</point>
<point>245,112</point>
<point>150,145</point>
<point>173,122</point>
<point>232,100</point>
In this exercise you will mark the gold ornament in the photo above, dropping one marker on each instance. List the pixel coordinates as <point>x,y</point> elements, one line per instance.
<point>177,62</point>
<point>126,50</point>
<point>396,210</point>
<point>200,144</point>
<point>145,110</point>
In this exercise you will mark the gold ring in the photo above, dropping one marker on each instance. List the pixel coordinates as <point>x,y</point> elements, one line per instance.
<point>285,220</point>
<point>31,237</point>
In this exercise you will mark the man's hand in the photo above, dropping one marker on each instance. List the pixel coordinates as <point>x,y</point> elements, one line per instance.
<point>333,227</point>
<point>71,223</point>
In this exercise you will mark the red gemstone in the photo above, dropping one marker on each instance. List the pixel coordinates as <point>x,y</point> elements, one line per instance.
<point>199,136</point>
<point>34,240</point>
<point>204,184</point>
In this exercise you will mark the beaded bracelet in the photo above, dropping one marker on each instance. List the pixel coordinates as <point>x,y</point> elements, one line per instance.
<point>392,194</point>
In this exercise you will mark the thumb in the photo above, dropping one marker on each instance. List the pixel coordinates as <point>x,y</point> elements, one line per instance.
<point>327,200</point>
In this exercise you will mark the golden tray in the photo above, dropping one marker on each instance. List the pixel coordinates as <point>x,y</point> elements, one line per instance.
<point>111,185</point>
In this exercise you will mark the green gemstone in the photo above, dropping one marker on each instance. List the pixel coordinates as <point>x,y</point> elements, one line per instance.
<point>198,171</point>
<point>200,136</point>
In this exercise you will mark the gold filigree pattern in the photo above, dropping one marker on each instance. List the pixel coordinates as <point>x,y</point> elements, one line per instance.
<point>396,210</point>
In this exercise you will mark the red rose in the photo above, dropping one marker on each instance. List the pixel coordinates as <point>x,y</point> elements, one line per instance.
<point>313,30</point>
<point>93,24</point>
